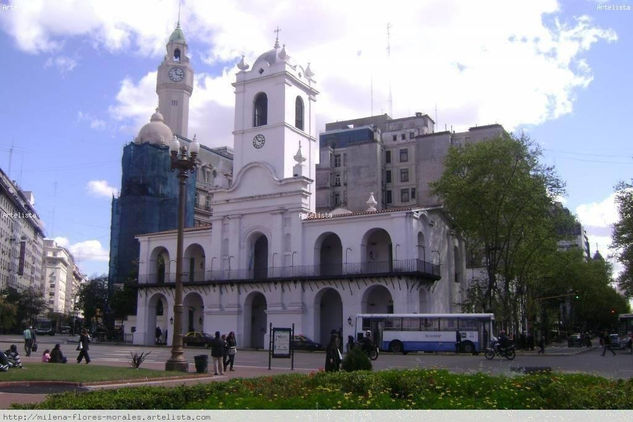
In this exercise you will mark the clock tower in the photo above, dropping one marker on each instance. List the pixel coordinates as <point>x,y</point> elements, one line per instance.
<point>174,84</point>
<point>274,115</point>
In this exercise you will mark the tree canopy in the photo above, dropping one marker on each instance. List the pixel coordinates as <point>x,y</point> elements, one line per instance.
<point>623,236</point>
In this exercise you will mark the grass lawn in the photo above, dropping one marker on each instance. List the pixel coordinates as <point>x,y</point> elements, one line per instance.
<point>71,372</point>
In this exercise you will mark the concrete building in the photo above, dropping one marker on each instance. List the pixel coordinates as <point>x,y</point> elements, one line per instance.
<point>21,238</point>
<point>62,278</point>
<point>270,257</point>
<point>394,158</point>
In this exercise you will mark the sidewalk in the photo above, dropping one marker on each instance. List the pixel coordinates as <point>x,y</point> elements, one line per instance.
<point>36,391</point>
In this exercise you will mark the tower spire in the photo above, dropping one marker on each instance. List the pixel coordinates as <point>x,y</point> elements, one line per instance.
<point>277,30</point>
<point>179,5</point>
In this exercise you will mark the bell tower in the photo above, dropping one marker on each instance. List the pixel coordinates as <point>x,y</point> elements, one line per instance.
<point>274,114</point>
<point>174,84</point>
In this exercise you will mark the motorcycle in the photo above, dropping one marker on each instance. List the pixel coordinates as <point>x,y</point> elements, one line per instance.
<point>507,352</point>
<point>370,349</point>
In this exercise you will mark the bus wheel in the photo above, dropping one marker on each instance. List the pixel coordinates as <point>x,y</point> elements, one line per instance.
<point>396,347</point>
<point>468,347</point>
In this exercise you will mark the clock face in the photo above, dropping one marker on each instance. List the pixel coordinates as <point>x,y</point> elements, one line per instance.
<point>176,74</point>
<point>259,140</point>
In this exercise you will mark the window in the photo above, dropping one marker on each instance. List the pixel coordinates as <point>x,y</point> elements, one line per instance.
<point>337,180</point>
<point>395,138</point>
<point>429,324</point>
<point>404,175</point>
<point>337,199</point>
<point>412,193</point>
<point>177,55</point>
<point>393,324</point>
<point>387,156</point>
<point>448,324</point>
<point>299,113</point>
<point>260,112</point>
<point>404,195</point>
<point>388,176</point>
<point>403,136</point>
<point>388,197</point>
<point>337,160</point>
<point>404,155</point>
<point>174,103</point>
<point>411,324</point>
<point>411,135</point>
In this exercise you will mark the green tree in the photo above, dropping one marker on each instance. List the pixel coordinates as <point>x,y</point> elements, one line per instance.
<point>29,302</point>
<point>93,300</point>
<point>124,301</point>
<point>623,236</point>
<point>499,196</point>
<point>8,313</point>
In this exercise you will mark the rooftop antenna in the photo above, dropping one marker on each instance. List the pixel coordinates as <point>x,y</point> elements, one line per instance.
<point>277,30</point>
<point>389,64</point>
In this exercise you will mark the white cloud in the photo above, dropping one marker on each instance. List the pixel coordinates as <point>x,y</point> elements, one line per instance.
<point>62,63</point>
<point>101,188</point>
<point>87,250</point>
<point>514,63</point>
<point>95,123</point>
<point>598,214</point>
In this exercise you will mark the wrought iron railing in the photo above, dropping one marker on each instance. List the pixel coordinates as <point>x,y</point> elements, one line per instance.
<point>395,267</point>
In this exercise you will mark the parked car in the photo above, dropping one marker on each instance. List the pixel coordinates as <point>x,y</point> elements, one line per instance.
<point>196,338</point>
<point>301,342</point>
<point>575,340</point>
<point>65,329</point>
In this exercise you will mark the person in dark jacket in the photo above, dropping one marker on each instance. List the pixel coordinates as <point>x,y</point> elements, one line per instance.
<point>57,356</point>
<point>232,351</point>
<point>14,357</point>
<point>332,355</point>
<point>83,347</point>
<point>606,343</point>
<point>217,351</point>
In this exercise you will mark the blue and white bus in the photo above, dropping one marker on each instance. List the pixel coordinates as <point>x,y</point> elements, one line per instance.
<point>402,333</point>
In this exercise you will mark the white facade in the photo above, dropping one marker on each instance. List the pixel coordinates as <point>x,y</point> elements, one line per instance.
<point>269,258</point>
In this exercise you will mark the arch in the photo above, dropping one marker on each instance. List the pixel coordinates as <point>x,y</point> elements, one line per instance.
<point>177,55</point>
<point>193,263</point>
<point>258,262</point>
<point>193,313</point>
<point>328,251</point>
<point>156,302</point>
<point>377,299</point>
<point>260,110</point>
<point>328,309</point>
<point>377,251</point>
<point>159,265</point>
<point>299,112</point>
<point>255,320</point>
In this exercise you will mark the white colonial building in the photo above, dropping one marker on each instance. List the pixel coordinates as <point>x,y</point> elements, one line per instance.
<point>270,258</point>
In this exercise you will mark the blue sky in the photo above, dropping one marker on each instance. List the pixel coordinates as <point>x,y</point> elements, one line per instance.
<point>79,82</point>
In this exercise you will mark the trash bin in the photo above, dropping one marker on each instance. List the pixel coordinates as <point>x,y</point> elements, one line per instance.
<point>202,363</point>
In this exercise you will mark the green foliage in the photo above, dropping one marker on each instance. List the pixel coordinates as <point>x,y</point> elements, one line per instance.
<point>93,299</point>
<point>29,304</point>
<point>499,196</point>
<point>356,360</point>
<point>8,313</point>
<point>623,236</point>
<point>123,301</point>
<point>393,389</point>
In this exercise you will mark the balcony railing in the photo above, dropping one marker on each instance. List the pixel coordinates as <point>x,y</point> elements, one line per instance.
<point>396,267</point>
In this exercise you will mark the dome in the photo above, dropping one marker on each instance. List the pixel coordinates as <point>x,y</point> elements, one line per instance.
<point>155,132</point>
<point>269,57</point>
<point>177,35</point>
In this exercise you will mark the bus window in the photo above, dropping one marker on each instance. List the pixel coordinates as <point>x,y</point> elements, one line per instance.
<point>448,324</point>
<point>410,324</point>
<point>469,324</point>
<point>429,324</point>
<point>393,324</point>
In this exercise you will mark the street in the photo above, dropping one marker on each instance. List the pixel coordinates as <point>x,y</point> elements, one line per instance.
<point>561,359</point>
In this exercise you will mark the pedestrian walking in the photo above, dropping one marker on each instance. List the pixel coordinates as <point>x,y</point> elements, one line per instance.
<point>541,345</point>
<point>333,355</point>
<point>158,333</point>
<point>217,349</point>
<point>605,341</point>
<point>29,340</point>
<point>225,351</point>
<point>83,347</point>
<point>232,351</point>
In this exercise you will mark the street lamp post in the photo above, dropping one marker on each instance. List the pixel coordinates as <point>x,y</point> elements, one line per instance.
<point>184,162</point>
